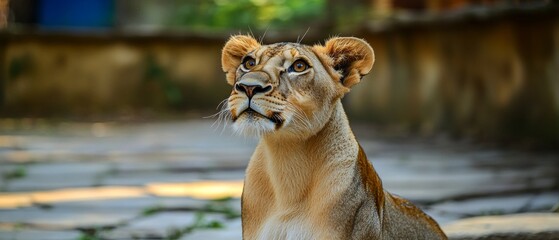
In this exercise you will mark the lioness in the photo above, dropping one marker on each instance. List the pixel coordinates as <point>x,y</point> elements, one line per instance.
<point>308,177</point>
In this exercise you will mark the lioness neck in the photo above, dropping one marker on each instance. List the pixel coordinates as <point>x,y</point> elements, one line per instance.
<point>317,166</point>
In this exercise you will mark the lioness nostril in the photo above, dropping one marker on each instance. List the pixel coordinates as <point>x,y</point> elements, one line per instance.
<point>267,89</point>
<point>259,89</point>
<point>239,88</point>
<point>250,90</point>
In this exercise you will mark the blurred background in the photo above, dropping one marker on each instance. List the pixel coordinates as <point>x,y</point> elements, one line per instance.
<point>486,69</point>
<point>102,93</point>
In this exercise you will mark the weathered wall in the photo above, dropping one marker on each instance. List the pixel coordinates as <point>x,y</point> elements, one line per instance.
<point>496,79</point>
<point>91,77</point>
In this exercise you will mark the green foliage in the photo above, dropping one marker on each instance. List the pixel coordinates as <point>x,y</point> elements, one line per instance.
<point>200,222</point>
<point>224,207</point>
<point>148,211</point>
<point>19,172</point>
<point>19,226</point>
<point>175,234</point>
<point>260,14</point>
<point>222,200</point>
<point>85,236</point>
<point>19,66</point>
<point>91,234</point>
<point>158,74</point>
<point>219,206</point>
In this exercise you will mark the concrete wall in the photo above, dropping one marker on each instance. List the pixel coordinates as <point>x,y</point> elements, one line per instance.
<point>46,75</point>
<point>495,79</point>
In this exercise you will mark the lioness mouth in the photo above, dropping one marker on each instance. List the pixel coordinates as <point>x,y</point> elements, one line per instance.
<point>275,118</point>
<point>252,111</point>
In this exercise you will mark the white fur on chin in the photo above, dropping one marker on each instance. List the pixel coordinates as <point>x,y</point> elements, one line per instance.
<point>253,126</point>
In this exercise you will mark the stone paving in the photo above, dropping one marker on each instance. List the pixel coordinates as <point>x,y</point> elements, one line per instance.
<point>182,180</point>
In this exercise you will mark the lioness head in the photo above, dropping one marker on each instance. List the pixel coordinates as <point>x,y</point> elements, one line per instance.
<point>290,88</point>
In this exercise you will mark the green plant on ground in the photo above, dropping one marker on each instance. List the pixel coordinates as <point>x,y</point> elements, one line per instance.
<point>90,234</point>
<point>224,207</point>
<point>148,211</point>
<point>200,222</point>
<point>219,206</point>
<point>16,173</point>
<point>85,236</point>
<point>94,233</point>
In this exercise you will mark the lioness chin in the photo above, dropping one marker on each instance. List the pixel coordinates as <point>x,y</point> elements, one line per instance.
<point>308,177</point>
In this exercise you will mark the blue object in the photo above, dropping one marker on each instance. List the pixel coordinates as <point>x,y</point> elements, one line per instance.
<point>76,13</point>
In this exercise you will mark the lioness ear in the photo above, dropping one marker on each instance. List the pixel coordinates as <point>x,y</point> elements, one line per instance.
<point>352,58</point>
<point>232,53</point>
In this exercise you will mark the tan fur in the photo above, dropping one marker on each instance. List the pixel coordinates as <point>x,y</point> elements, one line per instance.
<point>308,177</point>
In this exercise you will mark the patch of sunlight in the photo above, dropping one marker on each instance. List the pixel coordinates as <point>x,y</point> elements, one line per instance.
<point>15,200</point>
<point>100,129</point>
<point>86,194</point>
<point>18,156</point>
<point>8,142</point>
<point>199,190</point>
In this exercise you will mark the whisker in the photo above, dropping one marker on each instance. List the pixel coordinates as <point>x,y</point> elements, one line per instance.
<point>220,118</point>
<point>222,115</point>
<point>213,115</point>
<point>250,30</point>
<point>263,35</point>
<point>305,34</point>
<point>221,105</point>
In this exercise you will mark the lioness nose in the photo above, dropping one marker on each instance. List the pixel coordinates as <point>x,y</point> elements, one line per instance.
<point>251,90</point>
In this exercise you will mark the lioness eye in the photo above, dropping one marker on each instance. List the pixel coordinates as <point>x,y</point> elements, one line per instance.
<point>298,66</point>
<point>249,63</point>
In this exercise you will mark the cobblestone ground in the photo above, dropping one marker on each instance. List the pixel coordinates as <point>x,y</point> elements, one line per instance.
<point>182,180</point>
